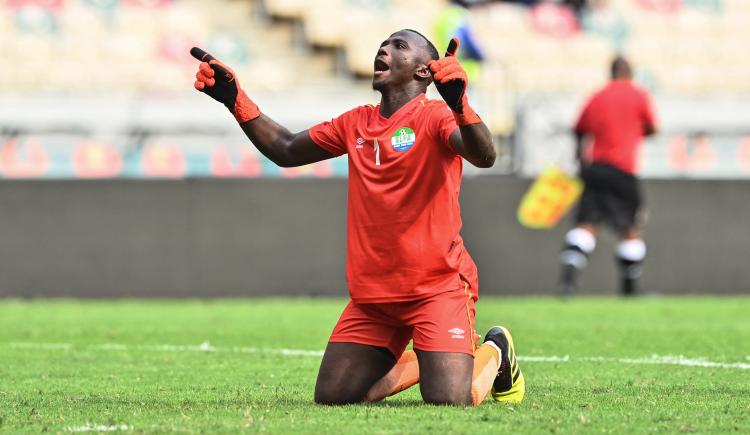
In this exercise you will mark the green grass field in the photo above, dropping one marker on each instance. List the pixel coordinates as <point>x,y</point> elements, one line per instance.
<point>591,365</point>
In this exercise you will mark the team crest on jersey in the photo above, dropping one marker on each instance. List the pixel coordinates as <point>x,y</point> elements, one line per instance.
<point>403,139</point>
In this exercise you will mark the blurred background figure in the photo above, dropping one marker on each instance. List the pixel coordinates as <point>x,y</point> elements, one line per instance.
<point>617,118</point>
<point>453,22</point>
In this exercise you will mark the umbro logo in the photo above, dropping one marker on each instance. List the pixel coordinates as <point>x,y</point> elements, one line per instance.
<point>457,333</point>
<point>360,143</point>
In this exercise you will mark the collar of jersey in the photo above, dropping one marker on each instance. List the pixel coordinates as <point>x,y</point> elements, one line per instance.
<point>411,103</point>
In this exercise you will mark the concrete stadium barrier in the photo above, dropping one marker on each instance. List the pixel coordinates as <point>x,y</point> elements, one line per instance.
<point>276,237</point>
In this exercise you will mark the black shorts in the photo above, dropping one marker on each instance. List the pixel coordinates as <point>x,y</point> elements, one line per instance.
<point>610,196</point>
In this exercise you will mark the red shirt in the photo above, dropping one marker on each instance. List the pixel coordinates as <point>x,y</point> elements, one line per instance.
<point>616,117</point>
<point>404,218</point>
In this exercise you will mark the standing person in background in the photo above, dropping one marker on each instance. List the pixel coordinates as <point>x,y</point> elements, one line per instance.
<point>617,117</point>
<point>453,22</point>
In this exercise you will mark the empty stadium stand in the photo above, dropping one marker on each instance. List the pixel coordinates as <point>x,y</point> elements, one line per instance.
<point>132,55</point>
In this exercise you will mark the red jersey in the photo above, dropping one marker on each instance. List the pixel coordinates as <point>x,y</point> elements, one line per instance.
<point>616,117</point>
<point>404,218</point>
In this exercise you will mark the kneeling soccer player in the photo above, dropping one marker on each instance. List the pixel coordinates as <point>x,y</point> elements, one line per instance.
<point>409,274</point>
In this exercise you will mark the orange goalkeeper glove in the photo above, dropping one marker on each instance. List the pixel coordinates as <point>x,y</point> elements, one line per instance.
<point>451,81</point>
<point>219,82</point>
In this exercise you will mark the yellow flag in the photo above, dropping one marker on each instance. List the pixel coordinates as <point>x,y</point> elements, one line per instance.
<point>549,198</point>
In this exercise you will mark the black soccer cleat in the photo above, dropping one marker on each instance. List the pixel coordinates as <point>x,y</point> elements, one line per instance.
<point>509,385</point>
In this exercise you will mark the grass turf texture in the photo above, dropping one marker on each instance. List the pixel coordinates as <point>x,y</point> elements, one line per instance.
<point>115,374</point>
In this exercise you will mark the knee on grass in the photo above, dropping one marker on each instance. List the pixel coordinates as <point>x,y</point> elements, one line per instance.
<point>455,398</point>
<point>331,396</point>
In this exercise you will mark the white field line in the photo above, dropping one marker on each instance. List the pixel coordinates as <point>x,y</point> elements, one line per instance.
<point>534,358</point>
<point>203,347</point>
<point>676,360</point>
<point>97,428</point>
<point>44,346</point>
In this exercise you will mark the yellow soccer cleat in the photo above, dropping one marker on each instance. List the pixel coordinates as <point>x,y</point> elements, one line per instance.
<point>509,385</point>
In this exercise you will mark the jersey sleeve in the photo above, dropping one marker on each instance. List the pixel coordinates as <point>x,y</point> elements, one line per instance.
<point>331,135</point>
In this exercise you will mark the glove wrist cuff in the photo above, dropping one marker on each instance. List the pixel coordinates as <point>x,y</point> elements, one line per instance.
<point>467,115</point>
<point>244,108</point>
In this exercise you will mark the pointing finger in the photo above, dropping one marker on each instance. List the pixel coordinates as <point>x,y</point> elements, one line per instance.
<point>452,47</point>
<point>201,54</point>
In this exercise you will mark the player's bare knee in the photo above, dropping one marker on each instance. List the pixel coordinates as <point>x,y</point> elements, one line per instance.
<point>455,398</point>
<point>449,392</point>
<point>325,399</point>
<point>445,378</point>
<point>331,389</point>
<point>328,389</point>
<point>334,396</point>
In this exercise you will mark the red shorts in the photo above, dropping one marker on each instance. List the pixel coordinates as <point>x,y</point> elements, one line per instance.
<point>440,323</point>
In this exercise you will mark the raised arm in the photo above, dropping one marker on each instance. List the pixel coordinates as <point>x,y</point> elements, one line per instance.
<point>281,146</point>
<point>472,140</point>
<point>273,140</point>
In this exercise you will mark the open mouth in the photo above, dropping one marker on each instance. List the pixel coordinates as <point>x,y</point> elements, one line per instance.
<point>380,67</point>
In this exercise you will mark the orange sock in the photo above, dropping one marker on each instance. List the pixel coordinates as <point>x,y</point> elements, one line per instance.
<point>486,364</point>
<point>403,375</point>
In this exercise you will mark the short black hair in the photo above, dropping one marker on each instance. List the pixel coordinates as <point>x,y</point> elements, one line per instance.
<point>620,67</point>
<point>431,50</point>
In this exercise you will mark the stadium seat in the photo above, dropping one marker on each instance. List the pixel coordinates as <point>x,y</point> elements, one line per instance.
<point>101,34</point>
<point>184,21</point>
<point>31,48</point>
<point>79,19</point>
<point>360,51</point>
<point>137,20</point>
<point>128,47</point>
<point>286,8</point>
<point>328,24</point>
<point>554,20</point>
<point>735,6</point>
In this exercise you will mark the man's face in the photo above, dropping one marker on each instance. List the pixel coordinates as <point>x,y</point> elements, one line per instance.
<point>400,59</point>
